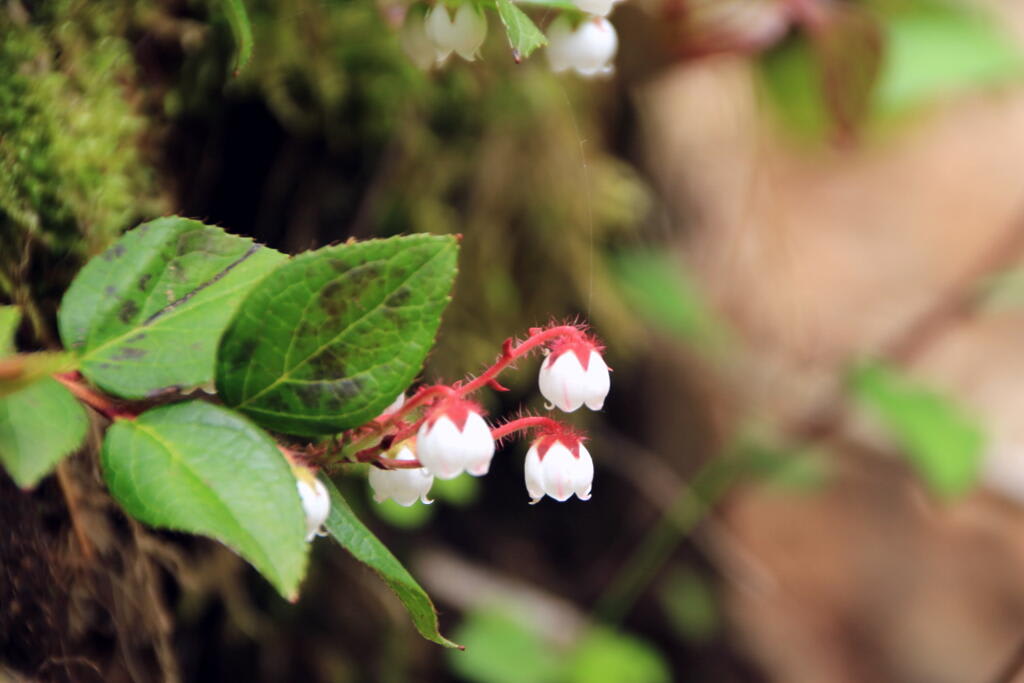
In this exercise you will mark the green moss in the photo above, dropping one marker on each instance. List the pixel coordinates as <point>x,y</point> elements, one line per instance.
<point>71,176</point>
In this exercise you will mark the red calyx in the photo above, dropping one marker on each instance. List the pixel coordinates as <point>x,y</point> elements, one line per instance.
<point>566,436</point>
<point>455,409</point>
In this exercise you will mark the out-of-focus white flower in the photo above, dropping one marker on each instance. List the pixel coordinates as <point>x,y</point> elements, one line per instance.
<point>416,43</point>
<point>404,486</point>
<point>574,375</point>
<point>316,502</point>
<point>455,439</point>
<point>395,406</point>
<point>599,8</point>
<point>463,34</point>
<point>588,48</point>
<point>558,466</point>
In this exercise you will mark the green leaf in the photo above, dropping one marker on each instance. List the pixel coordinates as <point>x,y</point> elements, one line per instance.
<point>657,288</point>
<point>523,34</point>
<point>688,601</point>
<point>937,48</point>
<point>500,648</point>
<point>39,425</point>
<point>606,656</point>
<point>327,341</point>
<point>941,441</point>
<point>346,528</point>
<point>10,318</point>
<point>204,469</point>
<point>241,29</point>
<point>146,314</point>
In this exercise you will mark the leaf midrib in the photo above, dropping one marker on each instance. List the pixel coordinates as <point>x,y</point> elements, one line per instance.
<point>286,375</point>
<point>198,480</point>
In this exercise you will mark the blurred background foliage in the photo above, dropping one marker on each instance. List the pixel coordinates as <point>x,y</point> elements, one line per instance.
<point>730,457</point>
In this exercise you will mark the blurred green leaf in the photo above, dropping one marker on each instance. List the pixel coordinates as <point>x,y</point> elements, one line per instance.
<point>523,34</point>
<point>404,517</point>
<point>790,78</point>
<point>204,469</point>
<point>656,286</point>
<point>10,318</point>
<point>690,605</point>
<point>328,340</point>
<point>771,462</point>
<point>353,535</point>
<point>942,442</point>
<point>606,656</point>
<point>501,649</point>
<point>459,491</point>
<point>241,30</point>
<point>39,425</point>
<point>1003,291</point>
<point>936,48</point>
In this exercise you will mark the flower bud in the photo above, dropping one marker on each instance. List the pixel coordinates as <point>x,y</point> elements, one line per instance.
<point>558,466</point>
<point>316,502</point>
<point>463,34</point>
<point>455,439</point>
<point>588,48</point>
<point>574,374</point>
<point>404,486</point>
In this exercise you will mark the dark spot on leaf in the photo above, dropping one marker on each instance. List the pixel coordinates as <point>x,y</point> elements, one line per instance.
<point>137,338</point>
<point>246,348</point>
<point>116,251</point>
<point>339,265</point>
<point>331,300</point>
<point>144,281</point>
<point>400,297</point>
<point>104,366</point>
<point>196,346</point>
<point>110,290</point>
<point>275,401</point>
<point>128,310</point>
<point>129,353</point>
<point>327,365</point>
<point>305,330</point>
<point>350,387</point>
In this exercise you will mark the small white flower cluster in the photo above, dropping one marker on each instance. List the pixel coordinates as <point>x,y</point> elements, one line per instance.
<point>429,36</point>
<point>455,438</point>
<point>584,41</point>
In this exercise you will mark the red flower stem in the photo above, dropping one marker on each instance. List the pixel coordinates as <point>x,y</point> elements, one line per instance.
<point>422,396</point>
<point>510,354</point>
<point>425,395</point>
<point>93,399</point>
<point>523,423</point>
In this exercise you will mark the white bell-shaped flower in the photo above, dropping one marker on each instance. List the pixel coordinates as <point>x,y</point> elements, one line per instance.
<point>599,8</point>
<point>568,382</point>
<point>464,33</point>
<point>316,502</point>
<point>588,48</point>
<point>559,466</point>
<point>404,486</point>
<point>455,439</point>
<point>416,43</point>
